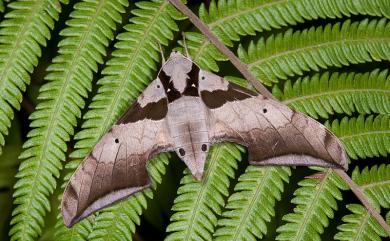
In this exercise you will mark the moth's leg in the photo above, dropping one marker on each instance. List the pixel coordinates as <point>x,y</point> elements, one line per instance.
<point>185,45</point>
<point>162,54</point>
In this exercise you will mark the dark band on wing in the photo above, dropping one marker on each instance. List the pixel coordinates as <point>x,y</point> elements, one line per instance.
<point>328,139</point>
<point>217,98</point>
<point>153,111</point>
<point>170,90</point>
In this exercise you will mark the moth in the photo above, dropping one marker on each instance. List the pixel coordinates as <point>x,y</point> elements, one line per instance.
<point>186,109</point>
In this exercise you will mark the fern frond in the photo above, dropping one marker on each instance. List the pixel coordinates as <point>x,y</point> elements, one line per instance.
<point>22,33</point>
<point>364,136</point>
<point>359,226</point>
<point>79,232</point>
<point>316,200</point>
<point>126,213</point>
<point>198,203</point>
<point>2,8</point>
<point>229,19</point>
<point>131,68</point>
<point>69,80</point>
<point>375,183</point>
<point>251,206</point>
<point>329,93</point>
<point>8,167</point>
<point>291,53</point>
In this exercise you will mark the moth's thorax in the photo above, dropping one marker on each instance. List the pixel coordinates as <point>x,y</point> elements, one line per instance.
<point>177,68</point>
<point>188,126</point>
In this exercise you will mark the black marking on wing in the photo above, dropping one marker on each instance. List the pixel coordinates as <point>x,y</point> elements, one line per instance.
<point>217,98</point>
<point>170,90</point>
<point>193,82</point>
<point>153,111</point>
<point>71,191</point>
<point>327,139</point>
<point>189,90</point>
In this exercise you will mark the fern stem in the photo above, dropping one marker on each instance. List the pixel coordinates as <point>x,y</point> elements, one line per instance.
<point>360,195</point>
<point>233,58</point>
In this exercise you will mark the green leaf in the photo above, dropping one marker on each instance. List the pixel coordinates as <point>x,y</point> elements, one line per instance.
<point>364,136</point>
<point>330,93</point>
<point>375,183</point>
<point>79,232</point>
<point>316,200</point>
<point>291,53</point>
<point>8,167</point>
<point>2,8</point>
<point>359,226</point>
<point>252,204</point>
<point>69,79</point>
<point>198,203</point>
<point>230,19</point>
<point>23,32</point>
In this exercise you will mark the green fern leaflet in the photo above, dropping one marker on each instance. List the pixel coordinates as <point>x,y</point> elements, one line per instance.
<point>69,69</point>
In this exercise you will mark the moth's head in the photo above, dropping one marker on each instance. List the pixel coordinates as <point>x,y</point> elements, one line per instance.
<point>177,68</point>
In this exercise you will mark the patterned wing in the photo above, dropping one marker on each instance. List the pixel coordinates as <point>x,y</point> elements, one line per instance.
<point>273,133</point>
<point>116,167</point>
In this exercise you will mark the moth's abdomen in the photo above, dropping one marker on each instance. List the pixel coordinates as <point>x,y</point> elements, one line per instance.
<point>186,136</point>
<point>188,127</point>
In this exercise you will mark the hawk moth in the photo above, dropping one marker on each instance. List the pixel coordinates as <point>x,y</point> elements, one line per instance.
<point>186,109</point>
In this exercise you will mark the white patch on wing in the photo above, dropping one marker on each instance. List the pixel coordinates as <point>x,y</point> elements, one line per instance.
<point>153,93</point>
<point>210,82</point>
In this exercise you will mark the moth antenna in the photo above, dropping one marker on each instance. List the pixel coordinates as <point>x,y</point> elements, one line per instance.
<point>162,53</point>
<point>185,45</point>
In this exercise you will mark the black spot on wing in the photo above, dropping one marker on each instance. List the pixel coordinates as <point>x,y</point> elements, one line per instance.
<point>182,152</point>
<point>217,98</point>
<point>153,111</point>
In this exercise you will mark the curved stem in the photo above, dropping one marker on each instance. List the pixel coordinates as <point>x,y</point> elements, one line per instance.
<point>360,195</point>
<point>264,91</point>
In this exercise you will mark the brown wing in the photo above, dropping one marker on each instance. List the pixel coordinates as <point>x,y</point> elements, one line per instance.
<point>273,133</point>
<point>116,167</point>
